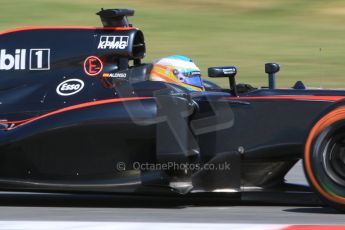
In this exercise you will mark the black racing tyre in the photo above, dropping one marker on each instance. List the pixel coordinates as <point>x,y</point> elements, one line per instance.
<point>324,158</point>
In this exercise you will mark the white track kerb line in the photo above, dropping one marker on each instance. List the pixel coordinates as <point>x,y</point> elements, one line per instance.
<point>76,225</point>
<point>88,225</point>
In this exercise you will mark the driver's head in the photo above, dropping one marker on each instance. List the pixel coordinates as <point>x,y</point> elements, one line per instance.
<point>179,70</point>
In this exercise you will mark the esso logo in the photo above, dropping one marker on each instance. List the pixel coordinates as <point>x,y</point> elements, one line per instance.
<point>70,87</point>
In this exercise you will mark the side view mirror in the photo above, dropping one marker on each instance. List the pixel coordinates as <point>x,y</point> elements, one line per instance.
<point>225,71</point>
<point>271,69</point>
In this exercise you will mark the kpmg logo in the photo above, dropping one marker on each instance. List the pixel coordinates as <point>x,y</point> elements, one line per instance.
<point>113,42</point>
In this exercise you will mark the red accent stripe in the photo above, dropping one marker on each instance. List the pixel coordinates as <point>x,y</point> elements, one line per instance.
<point>287,97</point>
<point>74,107</point>
<point>64,28</point>
<point>313,227</point>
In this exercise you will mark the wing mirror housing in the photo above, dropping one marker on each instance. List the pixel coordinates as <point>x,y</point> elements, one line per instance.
<point>271,69</point>
<point>225,71</point>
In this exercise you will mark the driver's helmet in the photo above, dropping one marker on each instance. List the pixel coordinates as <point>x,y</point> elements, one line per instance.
<point>179,70</point>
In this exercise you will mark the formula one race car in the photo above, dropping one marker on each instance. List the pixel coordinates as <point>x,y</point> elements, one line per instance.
<point>80,114</point>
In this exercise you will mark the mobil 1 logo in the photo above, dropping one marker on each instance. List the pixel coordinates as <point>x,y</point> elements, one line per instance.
<point>40,59</point>
<point>23,59</point>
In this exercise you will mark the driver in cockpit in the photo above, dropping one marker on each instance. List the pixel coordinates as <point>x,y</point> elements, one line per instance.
<point>178,70</point>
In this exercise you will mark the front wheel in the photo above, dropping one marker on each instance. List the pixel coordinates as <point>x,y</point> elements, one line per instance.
<point>324,158</point>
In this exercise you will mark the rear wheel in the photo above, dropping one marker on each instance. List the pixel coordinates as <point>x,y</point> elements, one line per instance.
<point>324,158</point>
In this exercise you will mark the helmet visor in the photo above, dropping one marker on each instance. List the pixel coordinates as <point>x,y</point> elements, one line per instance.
<point>194,80</point>
<point>191,78</point>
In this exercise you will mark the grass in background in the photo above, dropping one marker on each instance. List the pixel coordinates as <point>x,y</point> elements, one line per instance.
<point>306,37</point>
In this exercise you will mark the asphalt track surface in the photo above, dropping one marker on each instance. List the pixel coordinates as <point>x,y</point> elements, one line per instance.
<point>28,209</point>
